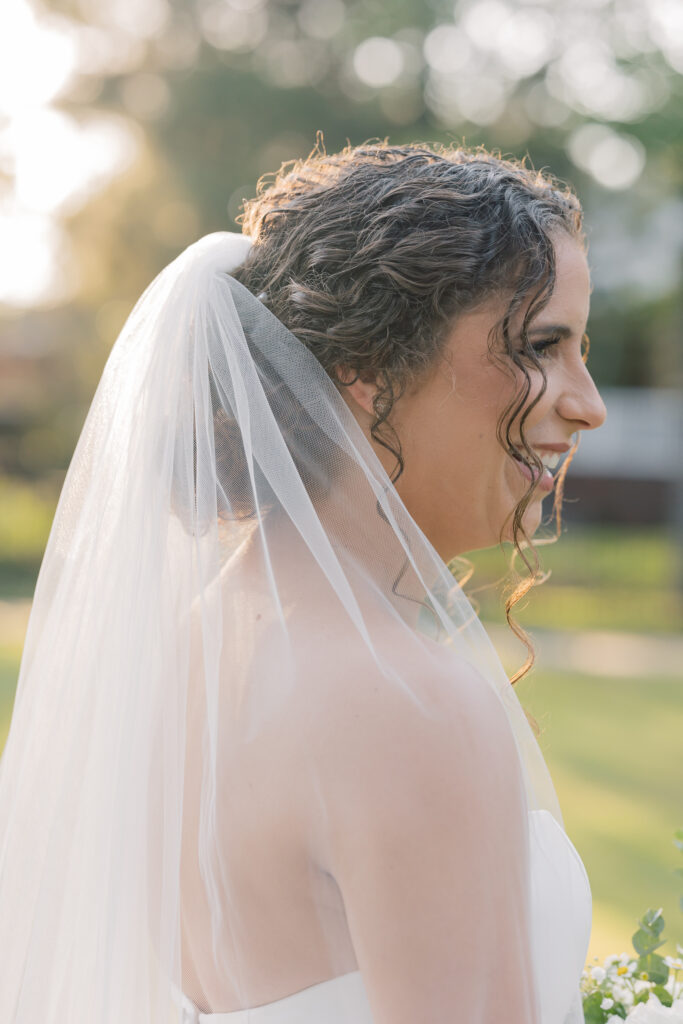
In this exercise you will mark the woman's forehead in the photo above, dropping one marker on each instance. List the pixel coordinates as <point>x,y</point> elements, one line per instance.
<point>570,299</point>
<point>566,309</point>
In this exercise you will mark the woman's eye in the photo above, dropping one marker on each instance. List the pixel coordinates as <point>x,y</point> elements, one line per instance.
<point>542,347</point>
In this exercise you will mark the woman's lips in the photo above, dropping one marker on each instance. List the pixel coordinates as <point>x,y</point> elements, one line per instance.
<point>547,481</point>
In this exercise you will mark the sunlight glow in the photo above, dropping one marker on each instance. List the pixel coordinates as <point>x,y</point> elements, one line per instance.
<point>26,82</point>
<point>54,163</point>
<point>59,163</point>
<point>33,263</point>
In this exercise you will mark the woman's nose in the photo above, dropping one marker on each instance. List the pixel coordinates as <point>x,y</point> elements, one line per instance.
<point>581,402</point>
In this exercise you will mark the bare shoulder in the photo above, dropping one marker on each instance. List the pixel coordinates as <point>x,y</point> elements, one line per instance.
<point>427,737</point>
<point>417,810</point>
<point>419,689</point>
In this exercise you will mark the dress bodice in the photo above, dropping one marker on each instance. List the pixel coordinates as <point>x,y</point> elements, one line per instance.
<point>339,1000</point>
<point>561,925</point>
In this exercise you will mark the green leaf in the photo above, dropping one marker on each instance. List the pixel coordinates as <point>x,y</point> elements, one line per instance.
<point>656,969</point>
<point>651,926</point>
<point>652,919</point>
<point>665,998</point>
<point>642,996</point>
<point>644,943</point>
<point>592,1011</point>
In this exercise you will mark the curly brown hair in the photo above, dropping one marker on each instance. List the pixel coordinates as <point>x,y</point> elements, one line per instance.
<point>369,254</point>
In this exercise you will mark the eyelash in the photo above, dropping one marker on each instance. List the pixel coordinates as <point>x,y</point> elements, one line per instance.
<point>541,347</point>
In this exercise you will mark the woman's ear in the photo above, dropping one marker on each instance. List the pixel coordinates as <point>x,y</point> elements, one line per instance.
<point>359,391</point>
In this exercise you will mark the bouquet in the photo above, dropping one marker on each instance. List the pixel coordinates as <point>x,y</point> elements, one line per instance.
<point>645,988</point>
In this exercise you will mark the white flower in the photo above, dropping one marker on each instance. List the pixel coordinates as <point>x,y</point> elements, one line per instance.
<point>607,1003</point>
<point>614,1018</point>
<point>622,995</point>
<point>619,965</point>
<point>598,974</point>
<point>676,963</point>
<point>653,1012</point>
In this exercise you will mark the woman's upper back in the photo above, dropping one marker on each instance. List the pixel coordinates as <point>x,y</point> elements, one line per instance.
<point>356,827</point>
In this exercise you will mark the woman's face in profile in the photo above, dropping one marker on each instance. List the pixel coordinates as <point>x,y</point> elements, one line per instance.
<point>458,483</point>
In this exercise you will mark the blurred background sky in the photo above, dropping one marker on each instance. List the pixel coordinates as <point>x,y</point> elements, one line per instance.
<point>129,128</point>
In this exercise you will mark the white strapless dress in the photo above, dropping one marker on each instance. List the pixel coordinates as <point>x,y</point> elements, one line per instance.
<point>561,926</point>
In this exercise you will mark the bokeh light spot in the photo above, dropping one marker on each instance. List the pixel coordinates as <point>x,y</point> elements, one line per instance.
<point>447,48</point>
<point>615,160</point>
<point>378,61</point>
<point>321,19</point>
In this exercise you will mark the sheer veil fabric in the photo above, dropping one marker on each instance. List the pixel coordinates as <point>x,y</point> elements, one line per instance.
<point>240,647</point>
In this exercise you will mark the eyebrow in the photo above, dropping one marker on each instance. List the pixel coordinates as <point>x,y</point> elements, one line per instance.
<point>560,329</point>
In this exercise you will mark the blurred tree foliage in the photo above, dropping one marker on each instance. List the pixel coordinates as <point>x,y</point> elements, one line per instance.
<point>221,92</point>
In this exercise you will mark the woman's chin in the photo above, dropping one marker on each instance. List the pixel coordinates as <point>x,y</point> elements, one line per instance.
<point>481,540</point>
<point>531,520</point>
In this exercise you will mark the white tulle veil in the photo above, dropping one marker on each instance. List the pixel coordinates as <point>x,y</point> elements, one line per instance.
<point>226,556</point>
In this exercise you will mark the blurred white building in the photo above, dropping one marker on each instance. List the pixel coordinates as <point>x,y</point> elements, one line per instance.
<point>630,470</point>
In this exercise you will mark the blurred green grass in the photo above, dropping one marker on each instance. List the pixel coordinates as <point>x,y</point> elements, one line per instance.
<point>9,671</point>
<point>26,513</point>
<point>602,578</point>
<point>614,747</point>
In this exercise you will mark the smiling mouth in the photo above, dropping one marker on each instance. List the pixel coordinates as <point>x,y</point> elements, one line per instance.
<point>547,480</point>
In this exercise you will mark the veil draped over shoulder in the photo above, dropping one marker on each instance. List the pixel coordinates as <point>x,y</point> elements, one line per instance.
<point>229,565</point>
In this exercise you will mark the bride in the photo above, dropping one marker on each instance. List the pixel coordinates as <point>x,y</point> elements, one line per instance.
<point>265,764</point>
